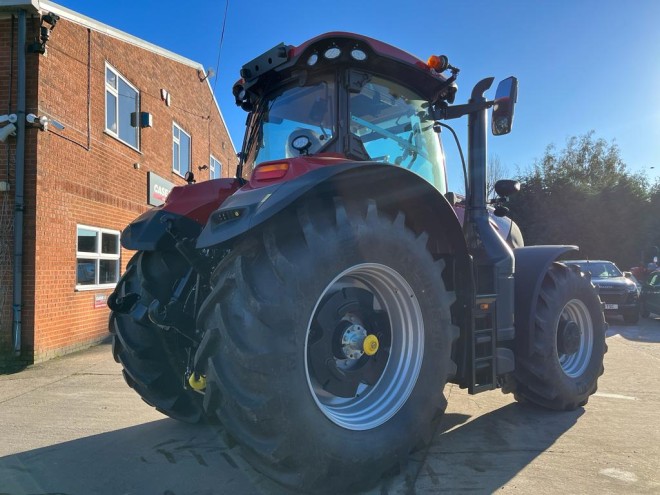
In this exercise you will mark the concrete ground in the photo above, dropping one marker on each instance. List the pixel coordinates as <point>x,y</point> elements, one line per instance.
<point>71,426</point>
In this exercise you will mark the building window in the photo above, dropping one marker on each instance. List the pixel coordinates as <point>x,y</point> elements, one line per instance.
<point>216,168</point>
<point>180,150</point>
<point>121,100</point>
<point>97,257</point>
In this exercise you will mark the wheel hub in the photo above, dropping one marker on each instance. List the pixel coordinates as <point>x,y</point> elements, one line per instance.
<point>568,337</point>
<point>352,341</point>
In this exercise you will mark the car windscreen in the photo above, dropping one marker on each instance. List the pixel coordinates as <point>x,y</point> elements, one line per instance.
<point>600,269</point>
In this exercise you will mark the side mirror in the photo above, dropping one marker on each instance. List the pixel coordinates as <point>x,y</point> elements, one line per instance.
<point>505,101</point>
<point>628,275</point>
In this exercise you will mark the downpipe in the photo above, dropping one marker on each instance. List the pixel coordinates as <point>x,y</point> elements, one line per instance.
<point>492,255</point>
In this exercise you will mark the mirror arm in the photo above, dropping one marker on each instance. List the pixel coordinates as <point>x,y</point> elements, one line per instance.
<point>446,112</point>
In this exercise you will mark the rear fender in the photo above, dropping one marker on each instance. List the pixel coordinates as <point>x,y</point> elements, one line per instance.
<point>184,213</point>
<point>393,188</point>
<point>532,263</point>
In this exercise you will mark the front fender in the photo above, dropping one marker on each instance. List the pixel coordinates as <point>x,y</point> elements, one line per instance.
<point>148,232</point>
<point>186,210</point>
<point>532,263</point>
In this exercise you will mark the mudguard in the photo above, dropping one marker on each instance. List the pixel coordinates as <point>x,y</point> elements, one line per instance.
<point>394,188</point>
<point>532,262</point>
<point>184,213</point>
<point>149,231</point>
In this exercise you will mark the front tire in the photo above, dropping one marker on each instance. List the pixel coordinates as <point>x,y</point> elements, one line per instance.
<point>558,368</point>
<point>153,359</point>
<point>292,376</point>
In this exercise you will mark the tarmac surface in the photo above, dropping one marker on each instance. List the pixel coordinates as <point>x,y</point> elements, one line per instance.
<point>71,426</point>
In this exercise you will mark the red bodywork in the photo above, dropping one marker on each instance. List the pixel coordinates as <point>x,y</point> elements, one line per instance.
<point>379,47</point>
<point>296,167</point>
<point>198,201</point>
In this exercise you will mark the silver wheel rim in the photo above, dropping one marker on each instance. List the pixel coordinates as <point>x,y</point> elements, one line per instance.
<point>374,405</point>
<point>576,363</point>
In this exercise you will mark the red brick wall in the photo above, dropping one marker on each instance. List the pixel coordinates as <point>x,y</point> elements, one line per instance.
<point>6,198</point>
<point>8,102</point>
<point>7,150</point>
<point>86,176</point>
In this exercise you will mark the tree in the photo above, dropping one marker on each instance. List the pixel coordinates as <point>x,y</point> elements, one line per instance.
<point>584,195</point>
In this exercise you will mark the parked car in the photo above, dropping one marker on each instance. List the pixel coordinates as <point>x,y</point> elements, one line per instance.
<point>618,291</point>
<point>650,297</point>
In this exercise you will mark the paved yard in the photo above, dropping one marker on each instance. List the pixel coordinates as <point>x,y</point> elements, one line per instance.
<point>71,426</point>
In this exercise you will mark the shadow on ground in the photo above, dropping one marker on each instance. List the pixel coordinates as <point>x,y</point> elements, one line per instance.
<point>166,457</point>
<point>163,457</point>
<point>483,454</point>
<point>647,330</point>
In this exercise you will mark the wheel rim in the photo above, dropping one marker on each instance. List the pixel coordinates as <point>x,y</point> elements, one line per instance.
<point>575,316</point>
<point>363,391</point>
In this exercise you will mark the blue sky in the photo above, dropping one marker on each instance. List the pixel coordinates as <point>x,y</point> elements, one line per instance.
<point>582,65</point>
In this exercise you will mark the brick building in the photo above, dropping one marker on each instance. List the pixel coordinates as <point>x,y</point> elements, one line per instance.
<point>108,125</point>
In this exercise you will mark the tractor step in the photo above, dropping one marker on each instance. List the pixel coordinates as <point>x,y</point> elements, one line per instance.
<point>483,346</point>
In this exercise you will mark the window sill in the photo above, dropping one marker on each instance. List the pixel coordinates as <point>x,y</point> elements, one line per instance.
<point>86,288</point>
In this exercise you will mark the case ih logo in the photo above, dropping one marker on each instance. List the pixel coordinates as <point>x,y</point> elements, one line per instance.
<point>160,192</point>
<point>159,188</point>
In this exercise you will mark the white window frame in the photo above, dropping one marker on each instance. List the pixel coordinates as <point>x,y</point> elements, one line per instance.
<point>215,168</point>
<point>97,257</point>
<point>115,93</point>
<point>177,141</point>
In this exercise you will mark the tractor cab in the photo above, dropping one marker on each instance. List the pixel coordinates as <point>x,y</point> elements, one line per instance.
<point>344,95</point>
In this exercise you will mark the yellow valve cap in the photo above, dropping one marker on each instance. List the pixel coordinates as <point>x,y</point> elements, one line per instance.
<point>370,345</point>
<point>197,382</point>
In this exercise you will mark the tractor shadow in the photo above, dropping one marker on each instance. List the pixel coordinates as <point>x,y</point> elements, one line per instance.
<point>646,330</point>
<point>166,457</point>
<point>483,454</point>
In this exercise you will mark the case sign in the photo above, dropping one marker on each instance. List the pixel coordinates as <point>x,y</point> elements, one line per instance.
<point>159,188</point>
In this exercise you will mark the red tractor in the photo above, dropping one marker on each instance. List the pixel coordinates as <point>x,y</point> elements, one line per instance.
<point>318,303</point>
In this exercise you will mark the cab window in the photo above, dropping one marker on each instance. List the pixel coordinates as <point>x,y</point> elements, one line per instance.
<point>392,123</point>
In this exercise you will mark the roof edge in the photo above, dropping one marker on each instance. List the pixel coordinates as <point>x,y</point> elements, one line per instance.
<point>9,7</point>
<point>95,25</point>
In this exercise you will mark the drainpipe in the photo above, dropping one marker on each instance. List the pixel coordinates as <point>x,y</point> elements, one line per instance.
<point>18,195</point>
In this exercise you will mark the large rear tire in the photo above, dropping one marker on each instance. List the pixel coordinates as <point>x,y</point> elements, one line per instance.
<point>153,359</point>
<point>558,368</point>
<point>300,308</point>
